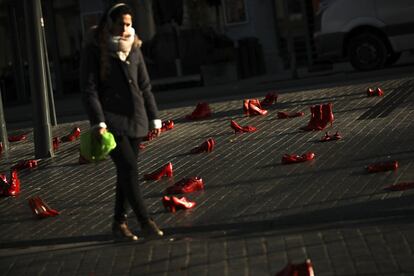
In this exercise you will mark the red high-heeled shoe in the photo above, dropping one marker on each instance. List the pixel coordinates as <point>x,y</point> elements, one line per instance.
<point>201,111</point>
<point>303,269</point>
<point>72,136</point>
<point>379,92</point>
<point>166,170</point>
<point>206,146</point>
<point>294,158</point>
<point>25,164</point>
<point>172,204</point>
<point>327,115</point>
<point>55,143</point>
<point>400,186</point>
<point>12,187</point>
<point>285,115</point>
<point>269,99</point>
<point>316,121</point>
<point>383,166</point>
<point>17,138</point>
<point>167,125</point>
<point>255,108</point>
<point>370,92</point>
<point>239,129</point>
<point>186,185</point>
<point>40,209</point>
<point>327,137</point>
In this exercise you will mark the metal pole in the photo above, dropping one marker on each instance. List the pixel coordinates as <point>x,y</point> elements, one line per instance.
<point>3,130</point>
<point>42,129</point>
<point>52,110</point>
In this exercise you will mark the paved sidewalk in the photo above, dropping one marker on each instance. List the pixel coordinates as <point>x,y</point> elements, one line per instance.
<point>255,213</point>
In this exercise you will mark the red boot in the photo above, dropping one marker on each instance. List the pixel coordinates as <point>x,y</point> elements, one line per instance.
<point>167,125</point>
<point>379,92</point>
<point>201,111</point>
<point>303,269</point>
<point>315,122</point>
<point>239,129</point>
<point>383,166</point>
<point>294,158</point>
<point>186,185</point>
<point>72,136</point>
<point>327,115</point>
<point>269,99</point>
<point>166,170</point>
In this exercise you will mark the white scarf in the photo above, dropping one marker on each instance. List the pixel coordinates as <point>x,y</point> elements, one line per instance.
<point>121,46</point>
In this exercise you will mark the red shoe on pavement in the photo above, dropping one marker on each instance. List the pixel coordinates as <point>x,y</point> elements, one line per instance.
<point>303,269</point>
<point>253,107</point>
<point>201,111</point>
<point>25,164</point>
<point>294,158</point>
<point>327,137</point>
<point>40,209</point>
<point>172,203</point>
<point>17,138</point>
<point>383,166</point>
<point>206,146</point>
<point>270,98</point>
<point>166,170</point>
<point>400,186</point>
<point>186,185</point>
<point>240,129</point>
<point>167,125</point>
<point>375,92</point>
<point>12,187</point>
<point>72,136</point>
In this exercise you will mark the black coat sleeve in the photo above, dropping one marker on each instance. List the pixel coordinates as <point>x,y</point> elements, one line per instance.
<point>144,84</point>
<point>89,83</point>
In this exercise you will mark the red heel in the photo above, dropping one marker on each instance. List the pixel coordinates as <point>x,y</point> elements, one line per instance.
<point>165,170</point>
<point>186,185</point>
<point>167,125</point>
<point>183,203</point>
<point>239,129</point>
<point>294,158</point>
<point>383,166</point>
<point>327,114</point>
<point>201,111</point>
<point>269,99</point>
<point>72,136</point>
<point>256,108</point>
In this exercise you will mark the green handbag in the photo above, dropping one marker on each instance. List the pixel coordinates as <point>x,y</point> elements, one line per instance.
<point>94,150</point>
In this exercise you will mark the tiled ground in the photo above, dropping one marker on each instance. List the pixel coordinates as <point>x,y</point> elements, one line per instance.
<point>254,215</point>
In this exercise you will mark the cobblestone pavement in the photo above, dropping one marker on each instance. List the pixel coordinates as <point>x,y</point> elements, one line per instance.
<point>255,213</point>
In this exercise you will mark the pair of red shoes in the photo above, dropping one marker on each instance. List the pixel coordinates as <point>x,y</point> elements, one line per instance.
<point>40,209</point>
<point>201,111</point>
<point>327,137</point>
<point>285,115</point>
<point>166,170</point>
<point>375,92</point>
<point>240,129</point>
<point>269,99</point>
<point>303,269</point>
<point>253,107</point>
<point>172,203</point>
<point>321,115</point>
<point>186,185</point>
<point>383,166</point>
<point>206,146</point>
<point>294,158</point>
<point>72,136</point>
<point>17,138</point>
<point>12,187</point>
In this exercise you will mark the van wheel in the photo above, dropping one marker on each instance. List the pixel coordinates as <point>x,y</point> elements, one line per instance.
<point>367,51</point>
<point>392,59</point>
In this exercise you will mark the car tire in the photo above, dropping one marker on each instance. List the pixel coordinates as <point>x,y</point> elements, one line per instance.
<point>367,51</point>
<point>392,58</point>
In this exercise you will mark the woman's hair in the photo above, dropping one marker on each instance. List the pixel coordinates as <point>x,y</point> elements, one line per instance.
<point>103,33</point>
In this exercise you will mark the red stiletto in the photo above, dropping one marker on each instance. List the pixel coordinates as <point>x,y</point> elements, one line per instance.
<point>239,129</point>
<point>172,204</point>
<point>327,137</point>
<point>12,187</point>
<point>303,269</point>
<point>201,111</point>
<point>55,143</point>
<point>167,125</point>
<point>253,107</point>
<point>400,186</point>
<point>294,158</point>
<point>25,164</point>
<point>375,92</point>
<point>206,146</point>
<point>186,185</point>
<point>17,138</point>
<point>72,136</point>
<point>285,115</point>
<point>166,170</point>
<point>269,99</point>
<point>383,166</point>
<point>40,209</point>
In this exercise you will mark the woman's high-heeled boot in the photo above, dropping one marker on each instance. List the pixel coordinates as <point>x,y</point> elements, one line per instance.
<point>327,115</point>
<point>120,230</point>
<point>166,170</point>
<point>150,229</point>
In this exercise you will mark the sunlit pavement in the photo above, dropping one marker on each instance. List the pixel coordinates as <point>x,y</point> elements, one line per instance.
<point>254,215</point>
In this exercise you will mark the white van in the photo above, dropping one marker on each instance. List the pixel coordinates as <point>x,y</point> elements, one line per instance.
<point>370,34</point>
